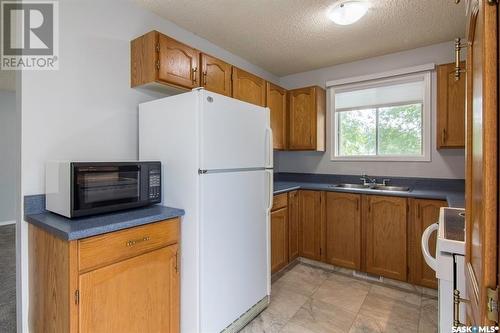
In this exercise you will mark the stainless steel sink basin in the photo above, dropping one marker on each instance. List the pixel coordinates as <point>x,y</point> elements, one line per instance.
<point>352,186</point>
<point>391,188</point>
<point>373,187</point>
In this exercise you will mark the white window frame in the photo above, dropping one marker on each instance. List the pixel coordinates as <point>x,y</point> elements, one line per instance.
<point>426,119</point>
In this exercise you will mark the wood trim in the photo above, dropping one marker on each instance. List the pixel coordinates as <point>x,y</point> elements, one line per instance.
<point>51,282</point>
<point>143,57</point>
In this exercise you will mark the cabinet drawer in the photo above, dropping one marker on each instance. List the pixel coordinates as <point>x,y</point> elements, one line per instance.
<point>106,249</point>
<point>280,201</point>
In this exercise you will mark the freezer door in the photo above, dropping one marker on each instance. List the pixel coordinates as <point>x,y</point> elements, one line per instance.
<point>234,255</point>
<point>234,134</point>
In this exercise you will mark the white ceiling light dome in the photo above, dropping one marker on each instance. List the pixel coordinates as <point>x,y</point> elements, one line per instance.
<point>348,11</point>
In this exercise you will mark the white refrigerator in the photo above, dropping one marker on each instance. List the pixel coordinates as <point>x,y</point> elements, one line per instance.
<point>217,161</point>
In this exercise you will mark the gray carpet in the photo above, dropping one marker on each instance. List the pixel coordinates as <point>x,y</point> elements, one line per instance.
<point>8,278</point>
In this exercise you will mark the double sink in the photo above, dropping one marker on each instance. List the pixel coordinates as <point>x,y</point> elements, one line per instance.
<point>373,187</point>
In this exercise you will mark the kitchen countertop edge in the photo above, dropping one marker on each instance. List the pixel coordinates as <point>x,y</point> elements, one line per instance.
<point>78,228</point>
<point>453,198</point>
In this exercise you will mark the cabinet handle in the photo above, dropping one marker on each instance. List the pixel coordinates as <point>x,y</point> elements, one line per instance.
<point>204,78</point>
<point>458,47</point>
<point>193,74</point>
<point>443,136</point>
<point>177,261</point>
<point>132,242</point>
<point>418,211</point>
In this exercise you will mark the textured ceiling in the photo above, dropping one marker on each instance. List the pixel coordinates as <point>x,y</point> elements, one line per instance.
<point>291,36</point>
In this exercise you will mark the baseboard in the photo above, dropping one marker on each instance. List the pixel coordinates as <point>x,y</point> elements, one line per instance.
<point>7,223</point>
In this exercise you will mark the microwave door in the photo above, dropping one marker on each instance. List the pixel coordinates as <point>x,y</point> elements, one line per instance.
<point>106,186</point>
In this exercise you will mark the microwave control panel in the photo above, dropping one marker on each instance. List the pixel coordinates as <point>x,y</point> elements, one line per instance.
<point>154,184</point>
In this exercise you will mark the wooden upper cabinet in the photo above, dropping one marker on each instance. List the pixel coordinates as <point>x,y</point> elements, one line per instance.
<point>311,224</point>
<point>156,58</point>
<point>384,224</point>
<point>248,87</point>
<point>450,107</point>
<point>279,239</point>
<point>306,119</point>
<point>178,63</point>
<point>343,230</point>
<point>276,102</point>
<point>215,75</point>
<point>293,225</point>
<point>422,214</point>
<point>145,288</point>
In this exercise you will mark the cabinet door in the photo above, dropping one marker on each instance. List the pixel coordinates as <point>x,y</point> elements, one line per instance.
<point>279,239</point>
<point>276,102</point>
<point>178,63</point>
<point>216,75</point>
<point>310,224</point>
<point>302,119</point>
<point>293,225</point>
<point>140,294</point>
<point>385,238</point>
<point>248,87</point>
<point>422,214</point>
<point>343,229</point>
<point>450,107</point>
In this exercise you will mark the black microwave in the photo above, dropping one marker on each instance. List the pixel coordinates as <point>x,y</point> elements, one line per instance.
<point>75,189</point>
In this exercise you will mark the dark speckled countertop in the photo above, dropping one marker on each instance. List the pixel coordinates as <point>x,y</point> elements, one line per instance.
<point>82,227</point>
<point>451,190</point>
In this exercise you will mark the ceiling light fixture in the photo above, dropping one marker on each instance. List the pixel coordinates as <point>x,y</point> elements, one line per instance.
<point>348,12</point>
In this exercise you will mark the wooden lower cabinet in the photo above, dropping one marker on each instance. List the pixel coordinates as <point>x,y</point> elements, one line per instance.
<point>343,229</point>
<point>422,214</point>
<point>293,225</point>
<point>384,225</point>
<point>137,291</point>
<point>279,239</point>
<point>311,204</point>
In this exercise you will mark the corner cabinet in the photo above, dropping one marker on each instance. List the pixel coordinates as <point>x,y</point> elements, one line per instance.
<point>215,75</point>
<point>276,102</point>
<point>384,225</point>
<point>306,119</point>
<point>157,58</point>
<point>126,280</point>
<point>450,107</point>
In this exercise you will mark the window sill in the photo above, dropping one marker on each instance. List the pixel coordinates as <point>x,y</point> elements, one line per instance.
<point>379,159</point>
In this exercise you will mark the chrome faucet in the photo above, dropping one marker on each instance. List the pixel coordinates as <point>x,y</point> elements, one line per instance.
<point>367,180</point>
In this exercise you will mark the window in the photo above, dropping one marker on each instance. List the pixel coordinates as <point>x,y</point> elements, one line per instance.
<point>387,119</point>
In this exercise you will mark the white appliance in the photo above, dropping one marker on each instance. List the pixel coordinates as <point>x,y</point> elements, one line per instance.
<point>217,160</point>
<point>449,265</point>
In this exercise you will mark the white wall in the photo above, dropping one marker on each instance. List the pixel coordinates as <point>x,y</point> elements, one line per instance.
<point>86,110</point>
<point>8,156</point>
<point>446,163</point>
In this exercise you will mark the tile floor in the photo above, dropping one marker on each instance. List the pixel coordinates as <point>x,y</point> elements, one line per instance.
<point>307,299</point>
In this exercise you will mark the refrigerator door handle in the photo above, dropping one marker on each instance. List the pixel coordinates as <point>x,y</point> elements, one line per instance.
<point>269,148</point>
<point>270,175</point>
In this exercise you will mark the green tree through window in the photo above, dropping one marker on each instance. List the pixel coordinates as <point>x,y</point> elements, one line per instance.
<point>383,131</point>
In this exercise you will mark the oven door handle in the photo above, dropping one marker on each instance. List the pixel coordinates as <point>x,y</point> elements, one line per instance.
<point>429,259</point>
